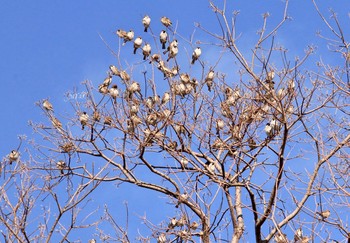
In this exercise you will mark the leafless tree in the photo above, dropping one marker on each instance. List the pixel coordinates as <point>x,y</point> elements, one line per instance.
<point>262,155</point>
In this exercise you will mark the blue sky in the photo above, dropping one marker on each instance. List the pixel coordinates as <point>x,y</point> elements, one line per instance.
<point>49,47</point>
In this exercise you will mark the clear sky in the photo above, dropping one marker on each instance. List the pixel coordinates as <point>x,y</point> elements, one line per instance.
<point>49,47</point>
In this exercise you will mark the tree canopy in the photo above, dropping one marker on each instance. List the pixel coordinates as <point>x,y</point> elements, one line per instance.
<point>229,143</point>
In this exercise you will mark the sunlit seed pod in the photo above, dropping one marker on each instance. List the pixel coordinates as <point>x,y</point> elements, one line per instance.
<point>172,145</point>
<point>67,147</point>
<point>61,164</point>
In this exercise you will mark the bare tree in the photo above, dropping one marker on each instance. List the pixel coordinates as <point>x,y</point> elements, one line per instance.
<point>260,155</point>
